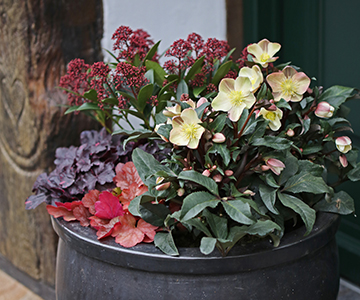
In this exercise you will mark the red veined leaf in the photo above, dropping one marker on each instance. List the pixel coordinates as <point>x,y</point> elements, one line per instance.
<point>126,234</point>
<point>126,174</point>
<point>58,212</point>
<point>68,205</point>
<point>108,206</point>
<point>81,213</point>
<point>148,229</point>
<point>129,194</point>
<point>89,200</point>
<point>104,227</point>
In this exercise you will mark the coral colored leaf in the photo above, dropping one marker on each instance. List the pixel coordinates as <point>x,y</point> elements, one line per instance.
<point>104,227</point>
<point>147,229</point>
<point>82,214</point>
<point>58,212</point>
<point>129,194</point>
<point>68,205</point>
<point>89,200</point>
<point>126,234</point>
<point>108,206</point>
<point>126,174</point>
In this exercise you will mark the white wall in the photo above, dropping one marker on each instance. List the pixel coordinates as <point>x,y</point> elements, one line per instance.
<point>165,20</point>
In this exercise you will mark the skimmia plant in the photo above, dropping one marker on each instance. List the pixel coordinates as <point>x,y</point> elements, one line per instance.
<point>246,145</point>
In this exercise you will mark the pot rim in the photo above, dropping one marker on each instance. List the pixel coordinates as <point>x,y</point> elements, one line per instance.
<point>147,257</point>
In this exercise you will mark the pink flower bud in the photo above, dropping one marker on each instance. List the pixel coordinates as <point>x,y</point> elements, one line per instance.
<point>343,144</point>
<point>180,192</point>
<point>201,101</point>
<point>343,161</point>
<point>217,178</point>
<point>218,138</point>
<point>324,110</point>
<point>163,186</point>
<point>290,132</point>
<point>275,165</point>
<point>229,172</point>
<point>206,173</point>
<point>272,107</point>
<point>265,168</point>
<point>249,192</point>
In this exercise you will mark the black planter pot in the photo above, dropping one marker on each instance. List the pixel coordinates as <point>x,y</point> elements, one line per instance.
<point>300,268</point>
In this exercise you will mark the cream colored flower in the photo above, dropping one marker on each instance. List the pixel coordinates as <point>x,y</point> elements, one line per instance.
<point>288,84</point>
<point>186,129</point>
<point>234,96</point>
<point>172,111</point>
<point>254,74</point>
<point>273,116</point>
<point>263,52</point>
<point>343,144</point>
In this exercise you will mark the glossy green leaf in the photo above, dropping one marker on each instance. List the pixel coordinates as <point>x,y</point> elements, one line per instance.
<point>291,168</point>
<point>273,142</point>
<point>91,95</point>
<point>221,72</point>
<point>336,95</point>
<point>71,109</point>
<point>341,203</point>
<point>195,203</point>
<point>165,242</point>
<point>268,196</point>
<point>306,213</point>
<point>238,211</point>
<point>152,51</point>
<point>159,72</point>
<point>218,225</point>
<point>306,182</point>
<point>263,228</point>
<point>219,122</point>
<point>144,95</point>
<point>153,213</point>
<point>182,89</point>
<point>198,178</point>
<point>195,68</point>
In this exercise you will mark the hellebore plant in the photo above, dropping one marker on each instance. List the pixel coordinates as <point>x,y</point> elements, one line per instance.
<point>246,146</point>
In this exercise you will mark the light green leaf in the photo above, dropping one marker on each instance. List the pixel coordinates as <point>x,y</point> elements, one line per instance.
<point>152,51</point>
<point>207,245</point>
<point>165,242</point>
<point>206,182</point>
<point>306,213</point>
<point>159,72</point>
<point>238,211</point>
<point>182,89</point>
<point>263,228</point>
<point>144,95</point>
<point>91,95</point>
<point>195,203</point>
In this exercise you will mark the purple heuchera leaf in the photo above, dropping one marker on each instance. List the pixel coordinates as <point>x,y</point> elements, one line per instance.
<point>65,157</point>
<point>105,173</point>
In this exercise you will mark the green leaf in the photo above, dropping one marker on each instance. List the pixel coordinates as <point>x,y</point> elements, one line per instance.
<point>310,149</point>
<point>150,75</point>
<point>263,228</point>
<point>306,213</point>
<point>221,72</point>
<point>198,90</point>
<point>283,104</point>
<point>222,150</point>
<point>198,224</point>
<point>134,205</point>
<point>195,203</point>
<point>306,182</point>
<point>268,196</point>
<point>218,225</point>
<point>91,95</point>
<point>273,142</point>
<point>198,178</point>
<point>154,214</point>
<point>144,95</point>
<point>182,89</point>
<point>207,245</point>
<point>165,242</point>
<point>147,165</point>
<point>200,110</point>
<point>195,68</point>
<point>336,95</point>
<point>71,109</point>
<point>111,100</point>
<point>307,166</point>
<point>340,203</point>
<point>354,174</point>
<point>219,122</point>
<point>164,130</point>
<point>166,87</point>
<point>88,106</point>
<point>291,168</point>
<point>152,51</point>
<point>138,131</point>
<point>159,72</point>
<point>238,211</point>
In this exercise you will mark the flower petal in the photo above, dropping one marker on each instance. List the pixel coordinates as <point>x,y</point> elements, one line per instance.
<point>227,85</point>
<point>303,82</point>
<point>221,102</point>
<point>235,112</point>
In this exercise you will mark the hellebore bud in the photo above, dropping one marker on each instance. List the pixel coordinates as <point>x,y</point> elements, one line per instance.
<point>218,138</point>
<point>324,110</point>
<point>343,144</point>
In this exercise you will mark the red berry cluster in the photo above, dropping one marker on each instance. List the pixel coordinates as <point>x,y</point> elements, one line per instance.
<point>129,43</point>
<point>76,80</point>
<point>127,75</point>
<point>99,74</point>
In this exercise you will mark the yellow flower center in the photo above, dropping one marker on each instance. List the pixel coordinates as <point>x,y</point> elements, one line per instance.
<point>264,57</point>
<point>270,116</point>
<point>190,130</point>
<point>236,98</point>
<point>288,87</point>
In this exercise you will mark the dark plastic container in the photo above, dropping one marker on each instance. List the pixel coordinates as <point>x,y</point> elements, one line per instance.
<point>300,268</point>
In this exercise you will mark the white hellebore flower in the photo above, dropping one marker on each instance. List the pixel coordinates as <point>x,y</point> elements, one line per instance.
<point>234,95</point>
<point>263,52</point>
<point>273,116</point>
<point>343,144</point>
<point>254,74</point>
<point>186,129</point>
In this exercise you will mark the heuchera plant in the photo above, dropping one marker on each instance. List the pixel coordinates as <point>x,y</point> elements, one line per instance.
<point>247,145</point>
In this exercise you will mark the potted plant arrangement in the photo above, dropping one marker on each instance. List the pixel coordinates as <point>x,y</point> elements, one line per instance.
<point>225,184</point>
